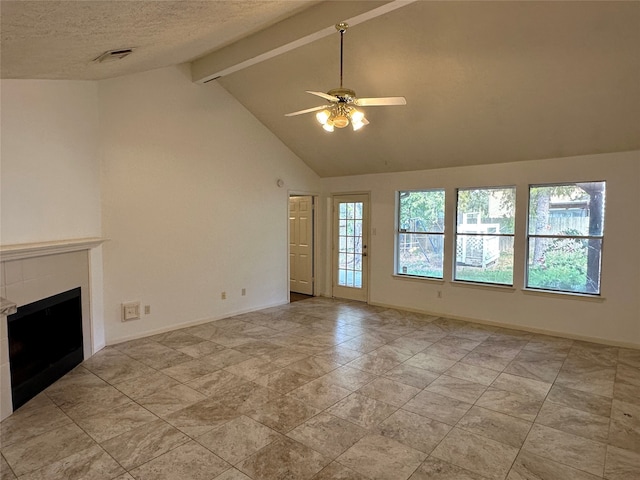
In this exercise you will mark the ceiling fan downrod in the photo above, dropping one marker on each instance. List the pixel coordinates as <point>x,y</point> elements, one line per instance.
<point>341,27</point>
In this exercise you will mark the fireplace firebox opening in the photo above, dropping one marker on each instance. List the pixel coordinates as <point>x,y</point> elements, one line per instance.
<point>45,343</point>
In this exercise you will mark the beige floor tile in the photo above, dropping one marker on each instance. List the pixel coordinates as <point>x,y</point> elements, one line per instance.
<point>443,409</point>
<point>313,366</point>
<point>376,365</point>
<point>472,373</point>
<point>624,431</point>
<point>144,443</point>
<point>382,458</point>
<point>284,458</point>
<point>217,383</point>
<point>93,463</point>
<point>42,450</point>
<point>201,349</point>
<point>388,391</point>
<point>574,421</point>
<point>531,467</point>
<point>190,460</point>
<point>456,388</point>
<point>349,378</point>
<point>542,370</point>
<point>5,471</point>
<point>410,375</point>
<point>475,453</point>
<point>238,439</point>
<point>362,410</point>
<point>587,402</point>
<point>566,448</point>
<point>114,422</point>
<point>152,383</point>
<point>621,464</point>
<point>448,350</point>
<point>188,371</point>
<point>281,413</point>
<point>319,393</point>
<point>225,358</point>
<point>430,362</point>
<point>629,357</point>
<point>335,471</point>
<point>232,474</point>
<point>486,360</point>
<point>251,369</point>
<point>164,402</point>
<point>418,432</point>
<point>287,403</point>
<point>436,469</point>
<point>328,434</point>
<point>510,403</point>
<point>595,379</point>
<point>283,381</point>
<point>31,422</point>
<point>521,385</point>
<point>497,426</point>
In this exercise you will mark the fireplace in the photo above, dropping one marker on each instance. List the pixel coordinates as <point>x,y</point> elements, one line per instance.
<point>45,342</point>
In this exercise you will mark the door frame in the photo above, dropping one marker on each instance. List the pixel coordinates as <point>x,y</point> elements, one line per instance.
<point>332,229</point>
<point>314,250</point>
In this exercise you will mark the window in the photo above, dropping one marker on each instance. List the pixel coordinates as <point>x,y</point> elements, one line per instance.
<point>420,235</point>
<point>484,235</point>
<point>566,226</point>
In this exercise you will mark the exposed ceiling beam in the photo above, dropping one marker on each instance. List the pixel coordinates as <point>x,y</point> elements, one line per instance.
<point>289,34</point>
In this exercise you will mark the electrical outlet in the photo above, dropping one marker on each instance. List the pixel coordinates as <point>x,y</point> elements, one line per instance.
<point>147,309</point>
<point>130,311</point>
<point>244,292</point>
<point>223,295</point>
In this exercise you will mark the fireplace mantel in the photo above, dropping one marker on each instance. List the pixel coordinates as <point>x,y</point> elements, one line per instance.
<point>21,251</point>
<point>39,270</point>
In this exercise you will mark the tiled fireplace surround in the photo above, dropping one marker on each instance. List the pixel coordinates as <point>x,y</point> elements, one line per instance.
<point>31,272</point>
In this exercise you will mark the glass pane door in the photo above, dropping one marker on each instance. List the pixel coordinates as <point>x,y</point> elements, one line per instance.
<point>350,248</point>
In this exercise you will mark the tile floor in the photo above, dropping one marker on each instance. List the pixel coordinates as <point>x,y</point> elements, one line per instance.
<point>322,389</point>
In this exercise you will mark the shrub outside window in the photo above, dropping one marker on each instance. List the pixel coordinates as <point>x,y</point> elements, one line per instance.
<point>484,235</point>
<point>565,234</point>
<point>420,235</point>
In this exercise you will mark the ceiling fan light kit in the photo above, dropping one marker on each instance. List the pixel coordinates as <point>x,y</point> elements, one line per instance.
<point>341,111</point>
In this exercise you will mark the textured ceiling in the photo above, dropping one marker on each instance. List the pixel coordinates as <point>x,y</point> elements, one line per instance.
<point>59,39</point>
<point>485,82</point>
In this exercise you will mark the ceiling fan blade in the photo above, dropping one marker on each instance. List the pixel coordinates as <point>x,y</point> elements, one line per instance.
<point>326,96</point>
<point>308,110</point>
<point>382,101</point>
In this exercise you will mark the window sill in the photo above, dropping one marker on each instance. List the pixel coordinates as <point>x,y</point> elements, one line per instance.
<point>416,278</point>
<point>565,295</point>
<point>494,287</point>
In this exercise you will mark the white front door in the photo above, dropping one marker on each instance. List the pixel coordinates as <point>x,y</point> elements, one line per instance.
<point>350,239</point>
<point>301,244</point>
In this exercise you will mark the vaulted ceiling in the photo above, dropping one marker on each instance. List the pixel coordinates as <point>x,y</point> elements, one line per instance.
<point>485,82</point>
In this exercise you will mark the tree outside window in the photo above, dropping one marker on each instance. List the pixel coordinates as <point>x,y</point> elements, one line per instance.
<point>566,231</point>
<point>420,234</point>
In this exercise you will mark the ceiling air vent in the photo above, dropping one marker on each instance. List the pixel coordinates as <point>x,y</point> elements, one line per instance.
<point>113,55</point>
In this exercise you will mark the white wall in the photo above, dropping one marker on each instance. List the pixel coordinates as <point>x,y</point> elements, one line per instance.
<point>614,319</point>
<point>190,202</point>
<point>50,182</point>
<point>50,172</point>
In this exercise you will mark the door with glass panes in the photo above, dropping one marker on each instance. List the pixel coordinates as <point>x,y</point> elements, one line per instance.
<point>350,253</point>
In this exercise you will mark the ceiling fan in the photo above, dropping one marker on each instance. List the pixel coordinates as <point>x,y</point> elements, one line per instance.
<point>341,111</point>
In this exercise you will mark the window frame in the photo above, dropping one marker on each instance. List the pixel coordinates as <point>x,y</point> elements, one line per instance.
<point>530,236</point>
<point>400,231</point>
<point>458,234</point>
